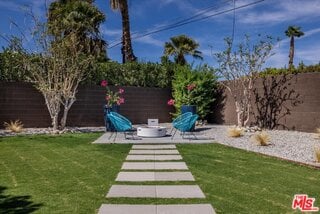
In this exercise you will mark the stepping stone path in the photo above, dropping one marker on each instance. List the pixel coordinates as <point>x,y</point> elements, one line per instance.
<point>142,165</point>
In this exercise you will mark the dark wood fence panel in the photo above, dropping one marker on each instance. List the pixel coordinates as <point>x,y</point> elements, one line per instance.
<point>299,96</point>
<point>22,101</point>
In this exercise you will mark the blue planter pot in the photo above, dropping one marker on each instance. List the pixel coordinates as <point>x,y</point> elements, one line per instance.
<point>189,108</point>
<point>106,110</point>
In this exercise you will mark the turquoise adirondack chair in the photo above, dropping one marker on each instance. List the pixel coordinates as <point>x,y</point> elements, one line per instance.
<point>179,118</point>
<point>121,124</point>
<point>186,124</point>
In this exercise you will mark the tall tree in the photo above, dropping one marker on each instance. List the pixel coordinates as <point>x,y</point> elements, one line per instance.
<point>182,45</point>
<point>66,48</point>
<point>126,49</point>
<point>79,17</point>
<point>239,68</point>
<point>291,32</point>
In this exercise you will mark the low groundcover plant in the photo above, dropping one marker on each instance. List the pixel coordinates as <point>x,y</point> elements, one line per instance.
<point>317,154</point>
<point>235,132</point>
<point>317,134</point>
<point>261,138</point>
<point>14,126</point>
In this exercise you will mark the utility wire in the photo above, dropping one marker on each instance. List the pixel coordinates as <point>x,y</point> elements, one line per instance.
<point>233,22</point>
<point>200,13</point>
<point>190,21</point>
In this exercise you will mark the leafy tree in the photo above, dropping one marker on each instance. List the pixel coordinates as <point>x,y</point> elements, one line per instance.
<point>127,51</point>
<point>78,17</point>
<point>291,32</point>
<point>180,46</point>
<point>11,66</point>
<point>65,53</point>
<point>240,68</point>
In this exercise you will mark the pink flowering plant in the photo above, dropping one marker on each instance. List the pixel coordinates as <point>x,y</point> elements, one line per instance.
<point>193,86</point>
<point>187,98</point>
<point>113,98</point>
<point>190,88</point>
<point>170,102</point>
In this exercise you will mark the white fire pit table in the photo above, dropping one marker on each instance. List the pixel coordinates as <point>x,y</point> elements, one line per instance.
<point>151,131</point>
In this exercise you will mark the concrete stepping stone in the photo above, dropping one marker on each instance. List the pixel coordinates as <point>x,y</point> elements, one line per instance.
<point>154,176</point>
<point>154,157</point>
<point>173,176</point>
<point>127,208</point>
<point>140,157</point>
<point>185,209</point>
<point>154,166</point>
<point>132,191</point>
<point>167,157</point>
<point>156,209</point>
<point>156,152</point>
<point>179,191</point>
<point>138,165</point>
<point>169,146</point>
<point>135,176</point>
<point>170,165</point>
<point>155,191</point>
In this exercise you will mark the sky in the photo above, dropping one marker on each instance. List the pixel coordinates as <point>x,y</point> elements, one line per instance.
<point>216,22</point>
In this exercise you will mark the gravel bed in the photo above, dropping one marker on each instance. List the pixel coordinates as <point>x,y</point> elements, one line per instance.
<point>291,145</point>
<point>31,131</point>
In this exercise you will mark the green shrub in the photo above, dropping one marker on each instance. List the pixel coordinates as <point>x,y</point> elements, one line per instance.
<point>301,68</point>
<point>11,67</point>
<point>132,74</point>
<point>202,95</point>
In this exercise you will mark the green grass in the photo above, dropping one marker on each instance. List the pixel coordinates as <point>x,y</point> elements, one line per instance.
<point>68,174</point>
<point>236,181</point>
<point>65,174</point>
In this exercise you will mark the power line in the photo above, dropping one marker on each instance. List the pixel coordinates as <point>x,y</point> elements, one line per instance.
<point>190,21</point>
<point>197,14</point>
<point>201,12</point>
<point>233,22</point>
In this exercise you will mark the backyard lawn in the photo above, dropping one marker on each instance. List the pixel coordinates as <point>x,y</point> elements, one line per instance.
<point>68,174</point>
<point>64,174</point>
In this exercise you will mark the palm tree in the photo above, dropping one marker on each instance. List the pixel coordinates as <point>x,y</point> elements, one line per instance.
<point>79,17</point>
<point>127,51</point>
<point>292,31</point>
<point>181,45</point>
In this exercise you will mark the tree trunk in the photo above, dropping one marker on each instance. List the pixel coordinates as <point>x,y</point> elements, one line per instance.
<point>180,59</point>
<point>245,122</point>
<point>54,120</point>
<point>67,105</point>
<point>123,53</point>
<point>239,114</point>
<point>126,37</point>
<point>52,100</point>
<point>63,121</point>
<point>291,52</point>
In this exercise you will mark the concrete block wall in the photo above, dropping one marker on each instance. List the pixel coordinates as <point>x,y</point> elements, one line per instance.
<point>22,101</point>
<point>301,112</point>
